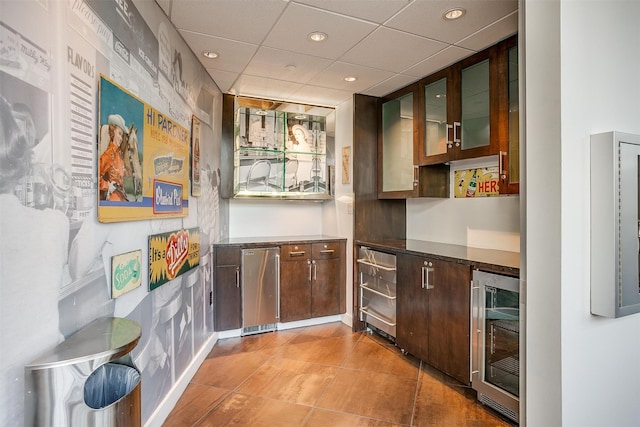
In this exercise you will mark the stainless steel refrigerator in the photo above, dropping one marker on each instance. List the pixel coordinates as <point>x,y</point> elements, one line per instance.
<point>260,290</point>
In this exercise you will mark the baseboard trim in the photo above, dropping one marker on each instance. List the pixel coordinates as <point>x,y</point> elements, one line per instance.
<point>159,416</point>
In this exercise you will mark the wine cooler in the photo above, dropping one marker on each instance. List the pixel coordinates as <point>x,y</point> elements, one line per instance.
<point>495,349</point>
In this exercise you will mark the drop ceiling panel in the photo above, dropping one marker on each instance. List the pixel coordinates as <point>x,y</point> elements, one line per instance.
<point>392,50</point>
<point>386,44</point>
<point>273,63</point>
<point>386,87</point>
<point>223,79</point>
<point>233,55</point>
<point>261,87</point>
<point>488,36</point>
<point>370,10</point>
<point>320,95</point>
<point>440,60</point>
<point>247,21</point>
<point>298,21</point>
<point>425,18</point>
<point>333,77</point>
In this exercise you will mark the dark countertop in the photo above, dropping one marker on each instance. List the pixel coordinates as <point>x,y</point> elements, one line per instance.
<point>276,240</point>
<point>484,259</point>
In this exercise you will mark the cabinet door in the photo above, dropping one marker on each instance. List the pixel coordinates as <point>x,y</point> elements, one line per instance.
<point>412,322</point>
<point>477,130</point>
<point>327,259</point>
<point>295,290</point>
<point>228,294</point>
<point>448,317</point>
<point>228,300</point>
<point>325,293</point>
<point>436,139</point>
<point>509,161</point>
<point>295,282</point>
<point>398,177</point>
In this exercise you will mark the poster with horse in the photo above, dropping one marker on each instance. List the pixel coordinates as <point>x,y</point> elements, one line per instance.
<point>143,159</point>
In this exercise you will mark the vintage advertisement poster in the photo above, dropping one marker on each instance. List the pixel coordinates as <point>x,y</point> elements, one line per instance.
<point>481,182</point>
<point>172,254</point>
<point>195,156</point>
<point>143,159</point>
<point>125,272</point>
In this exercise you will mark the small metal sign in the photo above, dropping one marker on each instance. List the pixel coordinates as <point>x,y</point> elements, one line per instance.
<point>172,254</point>
<point>125,272</point>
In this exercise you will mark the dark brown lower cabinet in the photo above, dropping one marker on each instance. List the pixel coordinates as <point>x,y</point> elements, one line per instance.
<point>311,278</point>
<point>228,291</point>
<point>433,313</point>
<point>295,282</point>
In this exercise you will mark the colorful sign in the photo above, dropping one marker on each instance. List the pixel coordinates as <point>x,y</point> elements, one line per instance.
<point>125,272</point>
<point>481,182</point>
<point>143,166</point>
<point>172,254</point>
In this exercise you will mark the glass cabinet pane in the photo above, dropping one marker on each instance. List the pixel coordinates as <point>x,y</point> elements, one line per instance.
<point>435,105</point>
<point>280,152</point>
<point>397,144</point>
<point>502,329</point>
<point>475,106</point>
<point>514,118</point>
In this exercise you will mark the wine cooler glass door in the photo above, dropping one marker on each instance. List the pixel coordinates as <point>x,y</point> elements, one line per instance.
<point>501,346</point>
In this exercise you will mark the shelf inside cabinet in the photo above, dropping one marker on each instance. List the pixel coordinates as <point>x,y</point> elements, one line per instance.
<point>377,288</point>
<point>282,150</point>
<point>369,311</point>
<point>377,265</point>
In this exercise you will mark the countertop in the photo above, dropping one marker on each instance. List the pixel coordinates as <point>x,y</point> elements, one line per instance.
<point>483,259</point>
<point>276,240</point>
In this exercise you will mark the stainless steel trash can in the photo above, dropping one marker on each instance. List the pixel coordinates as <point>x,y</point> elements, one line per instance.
<point>87,380</point>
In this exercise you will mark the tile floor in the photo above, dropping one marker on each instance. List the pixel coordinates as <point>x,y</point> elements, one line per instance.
<point>323,376</point>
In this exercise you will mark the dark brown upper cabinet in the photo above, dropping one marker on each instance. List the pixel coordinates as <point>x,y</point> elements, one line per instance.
<point>460,107</point>
<point>467,110</point>
<point>397,132</point>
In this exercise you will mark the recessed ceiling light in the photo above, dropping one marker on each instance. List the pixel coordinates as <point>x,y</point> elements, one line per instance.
<point>210,54</point>
<point>261,113</point>
<point>350,79</point>
<point>455,13</point>
<point>317,36</point>
<point>300,117</point>
<point>290,67</point>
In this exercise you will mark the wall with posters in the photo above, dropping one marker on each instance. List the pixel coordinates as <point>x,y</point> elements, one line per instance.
<point>55,256</point>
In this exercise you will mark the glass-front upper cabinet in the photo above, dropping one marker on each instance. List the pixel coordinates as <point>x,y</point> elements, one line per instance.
<point>280,149</point>
<point>461,110</point>
<point>509,160</point>
<point>396,145</point>
<point>437,141</point>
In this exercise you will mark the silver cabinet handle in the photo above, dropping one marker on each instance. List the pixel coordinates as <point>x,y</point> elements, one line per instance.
<point>327,251</point>
<point>425,278</point>
<point>503,173</point>
<point>299,253</point>
<point>277,286</point>
<point>315,270</point>
<point>456,137</point>
<point>309,263</point>
<point>449,142</point>
<point>237,277</point>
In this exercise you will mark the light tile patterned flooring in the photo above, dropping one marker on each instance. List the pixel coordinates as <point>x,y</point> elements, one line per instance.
<point>323,376</point>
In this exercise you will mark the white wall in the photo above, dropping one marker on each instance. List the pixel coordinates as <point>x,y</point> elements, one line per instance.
<point>267,218</point>
<point>337,215</point>
<point>486,222</point>
<point>583,77</point>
